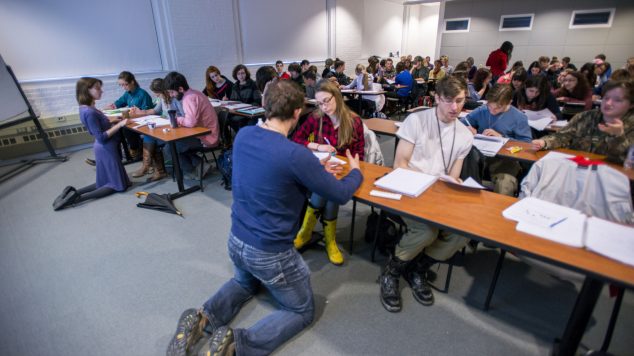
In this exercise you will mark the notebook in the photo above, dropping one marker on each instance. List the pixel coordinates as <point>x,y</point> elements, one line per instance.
<point>406,182</point>
<point>489,145</point>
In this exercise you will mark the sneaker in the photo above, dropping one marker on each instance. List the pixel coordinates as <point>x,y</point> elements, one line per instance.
<point>221,343</point>
<point>421,290</point>
<point>186,328</point>
<point>90,162</point>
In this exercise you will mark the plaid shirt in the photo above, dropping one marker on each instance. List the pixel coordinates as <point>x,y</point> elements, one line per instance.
<point>309,132</point>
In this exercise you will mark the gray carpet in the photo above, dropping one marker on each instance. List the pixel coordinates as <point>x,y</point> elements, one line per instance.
<point>108,278</point>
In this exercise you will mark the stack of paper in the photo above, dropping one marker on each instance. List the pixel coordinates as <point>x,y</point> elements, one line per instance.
<point>489,145</point>
<point>611,240</point>
<point>406,182</point>
<point>548,220</point>
<point>560,123</point>
<point>238,106</point>
<point>253,110</point>
<point>157,120</point>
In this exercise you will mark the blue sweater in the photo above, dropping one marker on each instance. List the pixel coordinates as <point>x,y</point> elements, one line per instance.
<point>138,97</point>
<point>270,180</point>
<point>512,124</point>
<point>404,78</point>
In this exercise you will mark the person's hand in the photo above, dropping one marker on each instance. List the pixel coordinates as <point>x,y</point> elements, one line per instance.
<point>353,161</point>
<point>326,148</point>
<point>472,129</point>
<point>122,123</point>
<point>614,129</point>
<point>331,166</point>
<point>538,144</point>
<point>491,132</point>
<point>135,111</point>
<point>110,106</point>
<point>224,98</point>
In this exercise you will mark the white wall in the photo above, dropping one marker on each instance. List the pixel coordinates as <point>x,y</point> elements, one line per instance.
<point>421,29</point>
<point>207,32</point>
<point>550,35</point>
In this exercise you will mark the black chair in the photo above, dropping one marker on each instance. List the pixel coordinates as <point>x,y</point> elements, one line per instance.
<point>223,142</point>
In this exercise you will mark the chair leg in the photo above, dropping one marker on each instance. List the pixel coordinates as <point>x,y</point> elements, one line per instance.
<point>612,323</point>
<point>200,177</point>
<point>448,278</point>
<point>215,158</point>
<point>496,274</point>
<point>376,235</point>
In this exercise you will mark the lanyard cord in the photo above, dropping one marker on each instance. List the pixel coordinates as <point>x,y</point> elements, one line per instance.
<point>453,141</point>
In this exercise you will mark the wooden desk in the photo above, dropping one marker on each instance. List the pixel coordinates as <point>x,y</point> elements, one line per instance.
<point>478,215</point>
<point>171,136</point>
<point>528,154</point>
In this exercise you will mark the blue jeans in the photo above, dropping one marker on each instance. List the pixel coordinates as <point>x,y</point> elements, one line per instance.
<point>329,210</point>
<point>286,277</point>
<point>188,160</point>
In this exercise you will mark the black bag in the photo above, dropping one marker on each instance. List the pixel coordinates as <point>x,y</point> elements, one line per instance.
<point>225,166</point>
<point>389,234</point>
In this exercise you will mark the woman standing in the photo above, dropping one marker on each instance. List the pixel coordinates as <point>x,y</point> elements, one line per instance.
<point>331,128</point>
<point>111,176</point>
<point>499,59</point>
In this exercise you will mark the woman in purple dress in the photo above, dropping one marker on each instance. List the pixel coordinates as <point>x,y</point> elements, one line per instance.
<point>111,176</point>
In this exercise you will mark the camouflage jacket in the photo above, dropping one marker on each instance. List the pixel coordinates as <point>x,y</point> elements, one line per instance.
<point>582,133</point>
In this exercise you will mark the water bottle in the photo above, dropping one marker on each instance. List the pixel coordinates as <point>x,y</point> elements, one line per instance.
<point>173,121</point>
<point>629,159</point>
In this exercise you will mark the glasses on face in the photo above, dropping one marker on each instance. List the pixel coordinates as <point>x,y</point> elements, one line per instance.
<point>457,101</point>
<point>124,85</point>
<point>325,102</point>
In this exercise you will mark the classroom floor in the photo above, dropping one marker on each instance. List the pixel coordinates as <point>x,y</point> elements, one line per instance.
<point>108,278</point>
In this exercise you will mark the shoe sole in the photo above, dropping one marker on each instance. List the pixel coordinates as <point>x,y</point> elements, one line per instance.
<point>422,301</point>
<point>390,308</point>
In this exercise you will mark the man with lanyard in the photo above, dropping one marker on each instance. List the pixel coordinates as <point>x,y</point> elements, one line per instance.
<point>433,142</point>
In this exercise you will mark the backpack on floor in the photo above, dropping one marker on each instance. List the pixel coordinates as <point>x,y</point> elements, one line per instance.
<point>225,166</point>
<point>389,234</point>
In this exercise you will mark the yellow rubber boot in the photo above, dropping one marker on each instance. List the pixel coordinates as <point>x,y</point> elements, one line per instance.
<point>330,235</point>
<point>305,233</point>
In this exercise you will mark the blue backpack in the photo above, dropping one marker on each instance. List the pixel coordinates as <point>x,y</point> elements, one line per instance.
<point>225,166</point>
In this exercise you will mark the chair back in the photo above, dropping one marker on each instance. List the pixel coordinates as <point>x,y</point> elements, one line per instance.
<point>225,131</point>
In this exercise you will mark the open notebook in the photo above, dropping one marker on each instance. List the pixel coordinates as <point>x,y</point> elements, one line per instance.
<point>489,145</point>
<point>406,182</point>
<point>570,227</point>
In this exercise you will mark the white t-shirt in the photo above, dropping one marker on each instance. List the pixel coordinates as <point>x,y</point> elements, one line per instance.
<point>421,129</point>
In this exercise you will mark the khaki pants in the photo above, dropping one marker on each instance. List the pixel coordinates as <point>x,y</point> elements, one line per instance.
<point>504,174</point>
<point>438,244</point>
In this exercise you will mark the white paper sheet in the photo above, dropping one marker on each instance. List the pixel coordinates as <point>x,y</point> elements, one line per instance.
<point>538,115</point>
<point>560,123</point>
<point>569,232</point>
<point>468,183</point>
<point>611,240</point>
<point>159,121</point>
<point>322,155</point>
<point>489,145</point>
<point>238,106</point>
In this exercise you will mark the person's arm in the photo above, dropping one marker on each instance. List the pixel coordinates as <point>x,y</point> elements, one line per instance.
<point>235,94</point>
<point>190,109</point>
<point>100,135</point>
<point>310,173</point>
<point>588,100</point>
<point>358,145</point>
<point>551,104</point>
<point>456,169</point>
<point>122,101</point>
<point>475,95</point>
<point>146,101</point>
<point>563,137</point>
<point>403,155</point>
<point>522,130</point>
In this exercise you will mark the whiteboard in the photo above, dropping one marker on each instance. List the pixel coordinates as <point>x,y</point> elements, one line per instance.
<point>48,39</point>
<point>283,29</point>
<point>12,104</point>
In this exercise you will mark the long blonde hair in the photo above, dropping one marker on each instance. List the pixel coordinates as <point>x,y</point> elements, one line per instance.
<point>361,69</point>
<point>343,113</point>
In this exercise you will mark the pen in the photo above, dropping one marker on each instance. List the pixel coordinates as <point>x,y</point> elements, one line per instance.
<point>379,177</point>
<point>558,222</point>
<point>328,142</point>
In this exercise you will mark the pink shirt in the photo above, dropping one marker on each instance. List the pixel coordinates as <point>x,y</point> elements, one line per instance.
<point>200,113</point>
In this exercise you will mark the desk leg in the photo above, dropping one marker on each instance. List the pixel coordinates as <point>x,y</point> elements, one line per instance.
<point>581,314</point>
<point>179,175</point>
<point>354,213</point>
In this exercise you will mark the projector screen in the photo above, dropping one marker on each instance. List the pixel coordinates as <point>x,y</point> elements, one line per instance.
<point>300,33</point>
<point>45,39</point>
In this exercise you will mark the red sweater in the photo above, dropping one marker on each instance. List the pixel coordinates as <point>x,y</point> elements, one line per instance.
<point>497,61</point>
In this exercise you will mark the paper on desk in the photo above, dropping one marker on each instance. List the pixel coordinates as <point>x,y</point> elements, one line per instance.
<point>322,155</point>
<point>238,106</point>
<point>548,220</point>
<point>215,102</point>
<point>537,115</point>
<point>468,183</point>
<point>610,239</point>
<point>406,182</point>
<point>560,123</point>
<point>159,121</point>
<point>540,124</point>
<point>489,145</point>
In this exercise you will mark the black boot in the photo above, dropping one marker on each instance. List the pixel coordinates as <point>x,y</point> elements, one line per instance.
<point>390,293</point>
<point>416,275</point>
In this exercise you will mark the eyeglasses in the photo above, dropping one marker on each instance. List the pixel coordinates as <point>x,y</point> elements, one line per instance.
<point>124,85</point>
<point>325,102</point>
<point>457,101</point>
